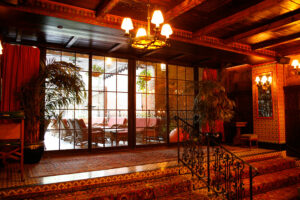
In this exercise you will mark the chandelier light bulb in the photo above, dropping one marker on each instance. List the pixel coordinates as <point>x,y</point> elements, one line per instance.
<point>127,25</point>
<point>141,32</point>
<point>264,79</point>
<point>257,80</point>
<point>166,30</point>
<point>157,18</point>
<point>270,79</point>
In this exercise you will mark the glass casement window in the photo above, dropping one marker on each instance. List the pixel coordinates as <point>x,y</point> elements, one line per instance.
<point>151,109</point>
<point>69,132</point>
<point>181,94</point>
<point>109,105</point>
<point>101,120</point>
<point>109,101</point>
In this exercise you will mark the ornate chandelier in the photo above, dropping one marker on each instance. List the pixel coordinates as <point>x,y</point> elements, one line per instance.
<point>143,39</point>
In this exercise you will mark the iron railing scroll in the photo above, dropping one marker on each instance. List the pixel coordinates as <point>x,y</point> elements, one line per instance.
<point>221,171</point>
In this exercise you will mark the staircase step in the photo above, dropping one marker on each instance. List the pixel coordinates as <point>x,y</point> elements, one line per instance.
<point>273,165</point>
<point>147,189</point>
<point>102,178</point>
<point>271,181</point>
<point>285,193</point>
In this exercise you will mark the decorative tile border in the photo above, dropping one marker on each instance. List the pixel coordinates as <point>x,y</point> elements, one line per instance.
<point>88,183</point>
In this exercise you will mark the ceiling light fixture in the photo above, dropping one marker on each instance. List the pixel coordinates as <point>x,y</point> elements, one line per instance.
<point>143,39</point>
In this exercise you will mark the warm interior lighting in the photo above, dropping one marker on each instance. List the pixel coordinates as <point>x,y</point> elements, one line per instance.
<point>270,79</point>
<point>166,30</point>
<point>257,80</point>
<point>1,48</point>
<point>141,32</point>
<point>157,18</point>
<point>127,25</point>
<point>163,67</point>
<point>296,64</point>
<point>264,81</point>
<point>143,38</point>
<point>108,61</point>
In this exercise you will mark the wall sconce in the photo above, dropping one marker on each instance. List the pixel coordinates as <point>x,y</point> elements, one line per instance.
<point>264,81</point>
<point>163,67</point>
<point>296,66</point>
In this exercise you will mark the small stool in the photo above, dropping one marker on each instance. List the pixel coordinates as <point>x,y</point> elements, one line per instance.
<point>250,138</point>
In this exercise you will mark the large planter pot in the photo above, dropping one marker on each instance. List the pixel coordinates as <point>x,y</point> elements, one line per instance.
<point>33,152</point>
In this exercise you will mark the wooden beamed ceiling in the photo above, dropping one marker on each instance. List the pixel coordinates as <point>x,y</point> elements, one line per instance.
<point>259,29</point>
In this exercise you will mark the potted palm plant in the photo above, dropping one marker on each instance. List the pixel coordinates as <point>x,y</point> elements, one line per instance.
<point>58,85</point>
<point>212,104</point>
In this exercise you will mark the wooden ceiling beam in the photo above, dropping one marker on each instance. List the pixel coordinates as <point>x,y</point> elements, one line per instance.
<point>277,42</point>
<point>115,47</point>
<point>266,4</point>
<point>64,11</point>
<point>108,6</point>
<point>178,56</point>
<point>271,25</point>
<point>72,40</point>
<point>149,53</point>
<point>181,8</point>
<point>290,51</point>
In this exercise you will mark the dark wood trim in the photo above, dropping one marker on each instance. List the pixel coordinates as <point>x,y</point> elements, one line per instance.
<point>115,47</point>
<point>277,42</point>
<point>90,104</point>
<point>72,40</point>
<point>177,56</point>
<point>288,18</point>
<point>167,103</point>
<point>131,103</point>
<point>290,51</point>
<point>265,4</point>
<point>181,8</point>
<point>149,53</point>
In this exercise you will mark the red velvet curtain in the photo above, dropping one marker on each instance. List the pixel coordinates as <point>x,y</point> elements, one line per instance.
<point>212,74</point>
<point>19,64</point>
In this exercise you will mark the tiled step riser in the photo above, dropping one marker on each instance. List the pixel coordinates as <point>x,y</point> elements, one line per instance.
<point>130,191</point>
<point>36,190</point>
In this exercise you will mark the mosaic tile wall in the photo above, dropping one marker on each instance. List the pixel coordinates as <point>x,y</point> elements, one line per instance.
<point>271,130</point>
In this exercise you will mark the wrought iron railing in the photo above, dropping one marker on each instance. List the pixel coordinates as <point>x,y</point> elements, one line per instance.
<point>221,171</point>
